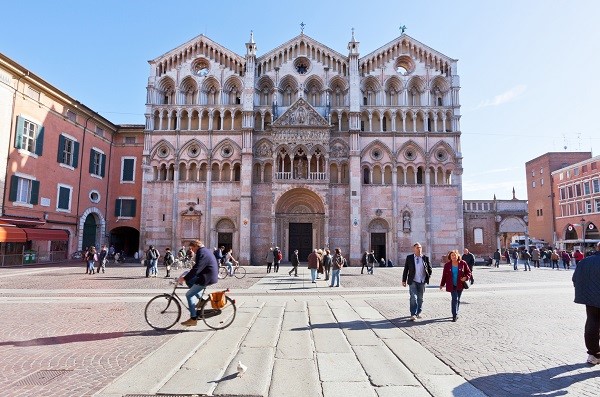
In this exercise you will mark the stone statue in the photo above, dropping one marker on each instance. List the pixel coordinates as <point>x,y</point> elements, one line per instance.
<point>406,221</point>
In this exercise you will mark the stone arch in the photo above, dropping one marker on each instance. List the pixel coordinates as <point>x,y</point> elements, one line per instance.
<point>101,226</point>
<point>512,224</point>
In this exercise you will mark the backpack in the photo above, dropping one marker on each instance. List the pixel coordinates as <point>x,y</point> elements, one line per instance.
<point>169,259</point>
<point>279,256</point>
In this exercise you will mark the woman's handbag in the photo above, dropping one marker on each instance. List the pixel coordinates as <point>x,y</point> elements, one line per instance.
<point>465,285</point>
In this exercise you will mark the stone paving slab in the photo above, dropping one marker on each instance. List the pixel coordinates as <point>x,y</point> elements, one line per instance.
<point>383,368</point>
<point>295,378</point>
<point>296,345</point>
<point>416,358</point>
<point>256,380</point>
<point>348,388</point>
<point>330,340</point>
<point>403,391</point>
<point>340,367</point>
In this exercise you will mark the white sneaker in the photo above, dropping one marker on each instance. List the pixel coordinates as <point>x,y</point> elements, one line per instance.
<point>593,359</point>
<point>413,318</point>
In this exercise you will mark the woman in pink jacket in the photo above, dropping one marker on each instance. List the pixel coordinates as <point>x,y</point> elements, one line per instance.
<point>455,273</point>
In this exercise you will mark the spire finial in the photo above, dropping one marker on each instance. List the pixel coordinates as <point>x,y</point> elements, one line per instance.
<point>352,34</point>
<point>252,36</point>
<point>402,29</point>
<point>302,25</point>
<point>514,197</point>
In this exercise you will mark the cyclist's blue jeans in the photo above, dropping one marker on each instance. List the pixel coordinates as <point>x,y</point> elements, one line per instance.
<point>229,268</point>
<point>193,296</point>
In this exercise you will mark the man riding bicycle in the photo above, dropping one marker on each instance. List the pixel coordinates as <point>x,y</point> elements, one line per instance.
<point>205,272</point>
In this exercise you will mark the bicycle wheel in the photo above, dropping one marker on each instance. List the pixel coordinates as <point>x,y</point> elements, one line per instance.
<point>223,272</point>
<point>218,318</point>
<point>239,272</point>
<point>162,312</point>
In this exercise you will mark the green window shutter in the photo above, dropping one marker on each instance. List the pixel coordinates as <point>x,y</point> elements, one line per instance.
<point>61,148</point>
<point>63,198</point>
<point>75,154</point>
<point>19,132</point>
<point>102,164</point>
<point>35,192</point>
<point>128,170</point>
<point>14,186</point>
<point>39,140</point>
<point>118,207</point>
<point>92,156</point>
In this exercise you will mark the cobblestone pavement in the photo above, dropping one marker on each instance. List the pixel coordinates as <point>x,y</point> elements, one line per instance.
<point>519,333</point>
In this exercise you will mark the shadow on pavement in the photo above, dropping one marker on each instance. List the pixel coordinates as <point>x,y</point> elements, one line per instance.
<point>85,337</point>
<point>548,382</point>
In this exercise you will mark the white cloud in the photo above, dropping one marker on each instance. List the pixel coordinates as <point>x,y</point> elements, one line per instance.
<point>503,98</point>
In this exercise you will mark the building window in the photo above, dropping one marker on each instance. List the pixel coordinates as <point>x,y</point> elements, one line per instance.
<point>97,162</point>
<point>586,188</point>
<point>560,176</point>
<point>593,166</point>
<point>542,182</point>
<point>125,207</point>
<point>588,206</point>
<point>33,93</point>
<point>478,235</point>
<point>578,190</point>
<point>597,205</point>
<point>568,174</point>
<point>532,173</point>
<point>29,136</point>
<point>24,190</point>
<point>533,184</point>
<point>129,140</point>
<point>541,170</point>
<point>127,169</point>
<point>584,168</point>
<point>63,202</point>
<point>94,196</point>
<point>99,132</point>
<point>563,193</point>
<point>596,185</point>
<point>575,171</point>
<point>71,115</point>
<point>68,151</point>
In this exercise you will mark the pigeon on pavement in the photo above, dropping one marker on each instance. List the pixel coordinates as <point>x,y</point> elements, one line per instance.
<point>241,368</point>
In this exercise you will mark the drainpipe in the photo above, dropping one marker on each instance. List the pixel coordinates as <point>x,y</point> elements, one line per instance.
<point>80,176</point>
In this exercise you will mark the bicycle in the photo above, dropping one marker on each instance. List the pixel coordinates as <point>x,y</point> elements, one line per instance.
<point>164,311</point>
<point>238,271</point>
<point>183,264</point>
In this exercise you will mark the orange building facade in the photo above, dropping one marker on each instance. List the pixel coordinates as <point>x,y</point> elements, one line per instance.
<point>70,179</point>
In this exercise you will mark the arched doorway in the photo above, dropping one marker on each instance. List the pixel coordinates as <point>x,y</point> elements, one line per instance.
<point>378,229</point>
<point>509,227</point>
<point>299,223</point>
<point>126,239</point>
<point>90,231</point>
<point>225,231</point>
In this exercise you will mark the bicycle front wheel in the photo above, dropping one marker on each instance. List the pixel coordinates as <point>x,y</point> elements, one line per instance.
<point>218,318</point>
<point>162,312</point>
<point>223,272</point>
<point>239,272</point>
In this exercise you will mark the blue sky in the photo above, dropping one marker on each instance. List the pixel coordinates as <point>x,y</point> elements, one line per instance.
<point>528,68</point>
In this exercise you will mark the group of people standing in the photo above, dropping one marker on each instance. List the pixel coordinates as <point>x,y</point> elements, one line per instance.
<point>96,261</point>
<point>537,256</point>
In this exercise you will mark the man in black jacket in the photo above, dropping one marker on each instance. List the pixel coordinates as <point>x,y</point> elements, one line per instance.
<point>470,259</point>
<point>417,271</point>
<point>586,280</point>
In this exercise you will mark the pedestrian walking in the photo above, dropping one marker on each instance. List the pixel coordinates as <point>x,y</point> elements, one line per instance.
<point>507,257</point>
<point>417,271</point>
<point>277,257</point>
<point>371,260</point>
<point>270,256</point>
<point>587,292</point>
<point>295,263</point>
<point>497,258</point>
<point>320,269</point>
<point>102,258</point>
<point>456,272</point>
<point>363,262</point>
<point>515,258</point>
<point>554,257</point>
<point>526,259</point>
<point>469,258</point>
<point>535,257</point>
<point>152,256</point>
<point>578,256</point>
<point>91,257</point>
<point>168,261</point>
<point>327,259</point>
<point>566,260</point>
<point>337,263</point>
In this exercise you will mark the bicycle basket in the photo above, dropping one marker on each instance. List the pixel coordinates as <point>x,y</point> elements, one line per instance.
<point>218,300</point>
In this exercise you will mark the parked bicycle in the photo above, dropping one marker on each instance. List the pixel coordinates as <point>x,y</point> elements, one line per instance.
<point>183,264</point>
<point>238,271</point>
<point>217,310</point>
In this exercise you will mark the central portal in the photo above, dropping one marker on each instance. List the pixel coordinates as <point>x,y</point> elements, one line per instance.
<point>300,239</point>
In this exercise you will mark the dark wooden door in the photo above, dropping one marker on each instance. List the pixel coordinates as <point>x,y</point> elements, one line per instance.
<point>378,245</point>
<point>300,239</point>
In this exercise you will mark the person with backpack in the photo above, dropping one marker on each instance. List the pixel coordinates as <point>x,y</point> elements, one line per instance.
<point>337,263</point>
<point>277,257</point>
<point>91,257</point>
<point>270,258</point>
<point>152,256</point>
<point>526,259</point>
<point>371,262</point>
<point>168,261</point>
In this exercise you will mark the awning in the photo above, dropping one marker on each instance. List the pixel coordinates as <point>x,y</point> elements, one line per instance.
<point>12,234</point>
<point>46,234</point>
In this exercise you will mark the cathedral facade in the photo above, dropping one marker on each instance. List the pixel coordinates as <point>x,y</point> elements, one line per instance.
<point>303,147</point>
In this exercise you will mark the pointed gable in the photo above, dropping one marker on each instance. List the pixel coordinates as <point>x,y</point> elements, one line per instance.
<point>301,114</point>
